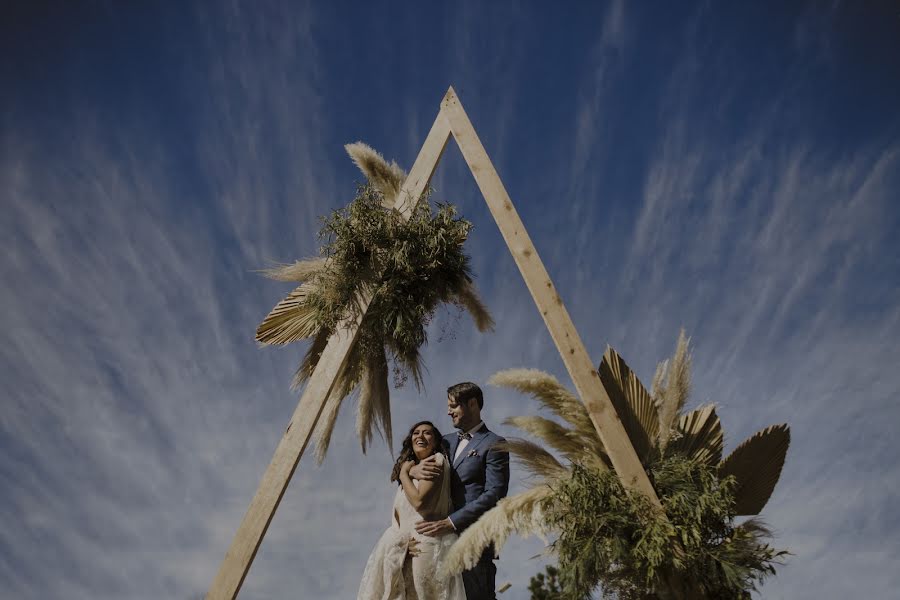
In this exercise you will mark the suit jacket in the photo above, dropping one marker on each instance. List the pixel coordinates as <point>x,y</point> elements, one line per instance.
<point>479,477</point>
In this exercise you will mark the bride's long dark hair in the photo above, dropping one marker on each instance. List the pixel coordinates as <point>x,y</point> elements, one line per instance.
<point>406,450</point>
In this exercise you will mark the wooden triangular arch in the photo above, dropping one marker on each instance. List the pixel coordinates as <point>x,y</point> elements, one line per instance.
<point>451,121</point>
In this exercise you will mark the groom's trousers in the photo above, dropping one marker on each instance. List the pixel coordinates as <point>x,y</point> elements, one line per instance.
<point>479,581</point>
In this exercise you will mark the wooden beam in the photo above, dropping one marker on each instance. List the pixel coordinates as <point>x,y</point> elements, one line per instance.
<point>252,529</point>
<point>585,377</point>
<point>451,119</point>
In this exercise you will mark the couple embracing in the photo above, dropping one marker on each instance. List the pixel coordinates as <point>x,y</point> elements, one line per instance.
<point>444,485</point>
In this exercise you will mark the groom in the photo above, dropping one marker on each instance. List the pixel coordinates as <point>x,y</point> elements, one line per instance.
<point>480,477</point>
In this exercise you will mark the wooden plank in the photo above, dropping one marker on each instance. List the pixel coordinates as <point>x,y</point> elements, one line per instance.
<point>562,330</point>
<point>252,529</point>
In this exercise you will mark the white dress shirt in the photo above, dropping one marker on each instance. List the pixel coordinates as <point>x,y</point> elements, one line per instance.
<point>464,442</point>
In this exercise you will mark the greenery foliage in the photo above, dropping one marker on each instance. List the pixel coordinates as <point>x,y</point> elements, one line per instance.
<point>629,548</point>
<point>545,586</point>
<point>411,265</point>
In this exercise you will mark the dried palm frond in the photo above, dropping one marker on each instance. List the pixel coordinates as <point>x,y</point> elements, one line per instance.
<point>756,464</point>
<point>327,419</point>
<point>383,408</point>
<point>553,395</point>
<point>468,298</point>
<point>300,271</point>
<point>291,320</point>
<point>374,401</point>
<point>619,541</point>
<point>563,440</point>
<point>386,177</point>
<point>676,390</point>
<point>699,435</point>
<point>534,458</point>
<point>310,359</point>
<point>522,514</point>
<point>344,384</point>
<point>632,403</point>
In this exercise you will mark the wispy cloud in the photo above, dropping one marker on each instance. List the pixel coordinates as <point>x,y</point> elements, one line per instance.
<point>139,415</point>
<point>603,59</point>
<point>131,422</point>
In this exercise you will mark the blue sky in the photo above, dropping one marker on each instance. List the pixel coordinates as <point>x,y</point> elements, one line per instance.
<point>732,170</point>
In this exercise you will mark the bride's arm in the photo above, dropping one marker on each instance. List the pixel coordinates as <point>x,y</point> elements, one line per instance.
<point>420,496</point>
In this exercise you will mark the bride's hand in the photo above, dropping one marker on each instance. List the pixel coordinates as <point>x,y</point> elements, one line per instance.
<point>407,466</point>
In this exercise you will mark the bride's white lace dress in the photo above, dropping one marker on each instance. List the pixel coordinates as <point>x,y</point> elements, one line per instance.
<point>392,574</point>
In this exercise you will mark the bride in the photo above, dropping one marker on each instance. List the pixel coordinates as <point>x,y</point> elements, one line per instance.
<point>404,564</point>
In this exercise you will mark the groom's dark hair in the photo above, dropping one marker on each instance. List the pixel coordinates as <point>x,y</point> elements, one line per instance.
<point>465,391</point>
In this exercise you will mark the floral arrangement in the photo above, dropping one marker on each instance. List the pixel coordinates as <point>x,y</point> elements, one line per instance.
<point>619,542</point>
<point>410,266</point>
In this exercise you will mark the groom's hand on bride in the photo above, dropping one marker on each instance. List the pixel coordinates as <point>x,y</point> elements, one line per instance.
<point>434,528</point>
<point>427,470</point>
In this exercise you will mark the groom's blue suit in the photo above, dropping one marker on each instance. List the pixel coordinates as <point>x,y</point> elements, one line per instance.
<point>480,477</point>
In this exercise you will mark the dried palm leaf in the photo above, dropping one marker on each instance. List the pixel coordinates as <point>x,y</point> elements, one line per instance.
<point>699,435</point>
<point>560,438</point>
<point>291,320</point>
<point>677,388</point>
<point>301,270</point>
<point>522,514</point>
<point>310,360</point>
<point>756,464</point>
<point>383,407</point>
<point>553,395</point>
<point>632,403</point>
<point>365,408</point>
<point>386,177</point>
<point>468,298</point>
<point>374,401</point>
<point>533,457</point>
<point>346,381</point>
<point>327,419</point>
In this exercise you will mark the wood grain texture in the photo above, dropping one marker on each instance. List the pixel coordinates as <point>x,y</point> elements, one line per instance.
<point>556,317</point>
<point>252,529</point>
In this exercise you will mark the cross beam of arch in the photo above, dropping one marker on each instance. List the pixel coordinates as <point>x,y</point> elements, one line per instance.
<point>450,121</point>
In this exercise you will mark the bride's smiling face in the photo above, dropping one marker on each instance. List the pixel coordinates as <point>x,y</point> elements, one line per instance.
<point>424,442</point>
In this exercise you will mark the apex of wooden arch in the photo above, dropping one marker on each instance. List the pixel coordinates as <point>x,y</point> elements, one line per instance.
<point>451,121</point>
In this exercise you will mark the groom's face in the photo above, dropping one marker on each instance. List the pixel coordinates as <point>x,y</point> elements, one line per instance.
<point>463,413</point>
